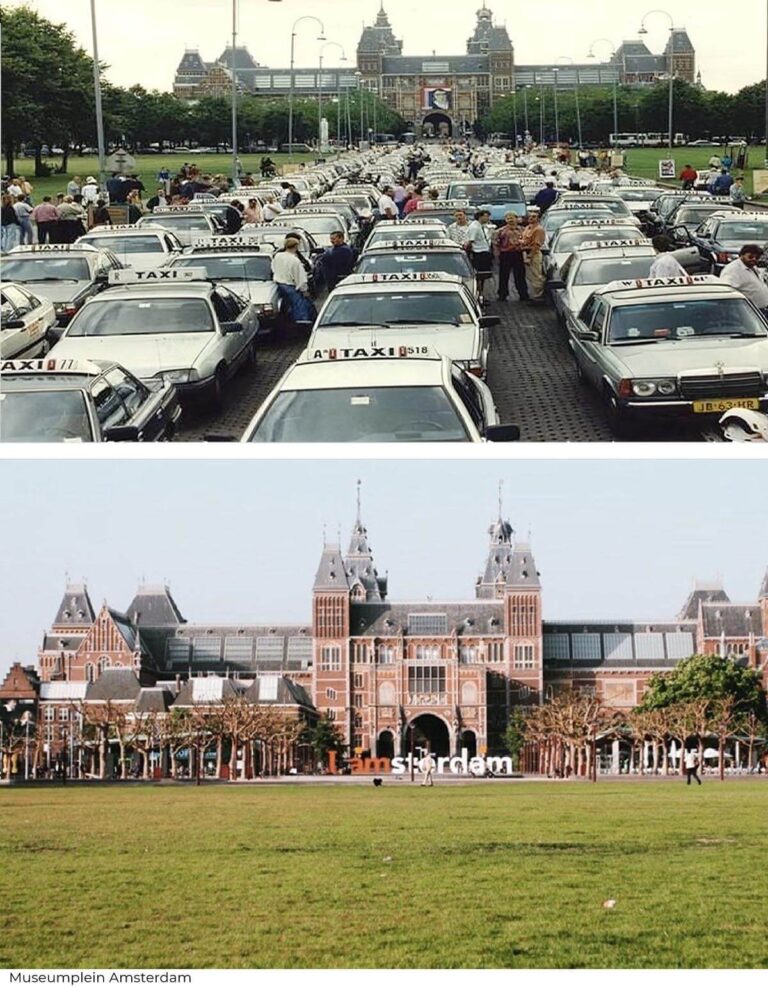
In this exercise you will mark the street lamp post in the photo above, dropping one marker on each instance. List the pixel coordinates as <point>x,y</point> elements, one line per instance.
<point>565,58</point>
<point>525,108</point>
<point>671,69</point>
<point>97,94</point>
<point>557,119</point>
<point>320,37</point>
<point>591,54</point>
<point>514,111</point>
<point>234,88</point>
<point>328,44</point>
<point>359,77</point>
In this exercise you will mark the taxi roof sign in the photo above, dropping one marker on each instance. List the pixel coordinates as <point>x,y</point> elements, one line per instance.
<point>158,275</point>
<point>226,243</point>
<point>120,227</point>
<point>171,209</point>
<point>606,244</point>
<point>400,277</point>
<point>646,284</point>
<point>372,352</point>
<point>421,244</point>
<point>51,365</point>
<point>574,224</point>
<point>442,204</point>
<point>44,248</point>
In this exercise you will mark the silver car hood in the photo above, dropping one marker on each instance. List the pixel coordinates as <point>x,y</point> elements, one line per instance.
<point>707,356</point>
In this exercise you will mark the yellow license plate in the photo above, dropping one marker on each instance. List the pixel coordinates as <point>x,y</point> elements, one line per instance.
<point>718,406</point>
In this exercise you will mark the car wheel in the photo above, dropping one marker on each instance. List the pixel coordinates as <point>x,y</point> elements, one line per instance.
<point>619,421</point>
<point>251,357</point>
<point>217,388</point>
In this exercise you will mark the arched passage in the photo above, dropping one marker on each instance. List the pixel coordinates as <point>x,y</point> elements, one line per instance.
<point>437,125</point>
<point>429,731</point>
<point>469,740</point>
<point>385,745</point>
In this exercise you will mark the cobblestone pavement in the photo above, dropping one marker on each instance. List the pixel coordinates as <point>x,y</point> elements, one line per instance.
<point>530,372</point>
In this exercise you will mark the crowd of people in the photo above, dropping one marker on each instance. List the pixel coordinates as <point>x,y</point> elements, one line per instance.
<point>719,180</point>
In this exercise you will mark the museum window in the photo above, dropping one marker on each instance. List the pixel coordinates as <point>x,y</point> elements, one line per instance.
<point>357,741</point>
<point>358,722</point>
<point>89,672</point>
<point>330,659</point>
<point>387,654</point>
<point>330,714</point>
<point>426,680</point>
<point>63,714</point>
<point>50,714</point>
<point>468,654</point>
<point>103,663</point>
<point>360,652</point>
<point>524,656</point>
<point>330,693</point>
<point>496,651</point>
<point>358,680</point>
<point>358,701</point>
<point>428,652</point>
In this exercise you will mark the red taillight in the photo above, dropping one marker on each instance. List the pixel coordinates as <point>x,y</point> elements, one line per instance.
<point>723,259</point>
<point>625,388</point>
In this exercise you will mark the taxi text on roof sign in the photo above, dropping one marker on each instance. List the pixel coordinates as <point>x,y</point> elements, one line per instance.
<point>692,279</point>
<point>209,242</point>
<point>574,205</point>
<point>403,276</point>
<point>49,365</point>
<point>164,209</point>
<point>605,244</point>
<point>159,274</point>
<point>40,248</point>
<point>413,242</point>
<point>360,353</point>
<point>116,226</point>
<point>443,204</point>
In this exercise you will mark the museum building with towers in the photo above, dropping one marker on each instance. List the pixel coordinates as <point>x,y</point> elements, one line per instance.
<point>447,672</point>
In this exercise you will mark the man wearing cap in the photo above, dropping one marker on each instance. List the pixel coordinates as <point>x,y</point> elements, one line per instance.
<point>742,274</point>
<point>89,191</point>
<point>292,283</point>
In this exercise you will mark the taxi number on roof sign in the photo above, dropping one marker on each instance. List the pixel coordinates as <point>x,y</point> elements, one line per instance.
<point>35,366</point>
<point>366,354</point>
<point>407,276</point>
<point>160,274</point>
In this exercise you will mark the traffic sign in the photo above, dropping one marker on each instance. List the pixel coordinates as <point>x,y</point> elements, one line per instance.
<point>120,161</point>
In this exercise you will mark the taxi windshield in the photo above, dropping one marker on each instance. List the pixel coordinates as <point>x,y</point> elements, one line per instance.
<point>605,270</point>
<point>45,269</point>
<point>741,232</point>
<point>682,320</point>
<point>231,268</point>
<point>362,414</point>
<point>44,416</point>
<point>130,244</point>
<point>397,308</point>
<point>486,193</point>
<point>449,262</point>
<point>194,221</point>
<point>141,317</point>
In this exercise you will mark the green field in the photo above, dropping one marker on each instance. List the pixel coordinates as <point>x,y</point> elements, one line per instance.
<point>644,162</point>
<point>399,876</point>
<point>147,166</point>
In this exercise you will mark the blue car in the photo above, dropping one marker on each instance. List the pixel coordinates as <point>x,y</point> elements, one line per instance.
<point>499,196</point>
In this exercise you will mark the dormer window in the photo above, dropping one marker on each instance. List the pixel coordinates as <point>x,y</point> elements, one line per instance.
<point>67,614</point>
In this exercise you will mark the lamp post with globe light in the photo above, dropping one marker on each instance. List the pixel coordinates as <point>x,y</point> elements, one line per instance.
<point>320,37</point>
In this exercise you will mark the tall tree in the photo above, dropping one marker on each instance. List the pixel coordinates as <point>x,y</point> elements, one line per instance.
<point>707,677</point>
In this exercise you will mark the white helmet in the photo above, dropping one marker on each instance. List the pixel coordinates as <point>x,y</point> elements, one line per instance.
<point>743,425</point>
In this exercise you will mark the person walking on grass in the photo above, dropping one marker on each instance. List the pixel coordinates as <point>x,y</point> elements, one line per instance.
<point>692,766</point>
<point>427,768</point>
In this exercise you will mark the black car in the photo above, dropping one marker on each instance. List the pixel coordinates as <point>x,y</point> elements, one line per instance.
<point>50,400</point>
<point>66,273</point>
<point>721,237</point>
<point>692,214</point>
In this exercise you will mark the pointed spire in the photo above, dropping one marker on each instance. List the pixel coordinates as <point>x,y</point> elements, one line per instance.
<point>501,489</point>
<point>359,485</point>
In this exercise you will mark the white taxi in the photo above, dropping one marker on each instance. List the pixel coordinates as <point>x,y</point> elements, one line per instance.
<point>378,393</point>
<point>415,256</point>
<point>186,222</point>
<point>26,322</point>
<point>139,248</point>
<point>172,324</point>
<point>401,309</point>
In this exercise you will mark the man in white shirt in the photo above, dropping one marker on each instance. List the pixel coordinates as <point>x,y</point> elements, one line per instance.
<point>478,246</point>
<point>742,273</point>
<point>692,766</point>
<point>272,209</point>
<point>665,265</point>
<point>291,278</point>
<point>387,207</point>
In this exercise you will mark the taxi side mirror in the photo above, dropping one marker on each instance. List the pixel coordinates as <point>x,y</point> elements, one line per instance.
<point>489,321</point>
<point>503,433</point>
<point>229,327</point>
<point>556,285</point>
<point>587,336</point>
<point>14,324</point>
<point>121,433</point>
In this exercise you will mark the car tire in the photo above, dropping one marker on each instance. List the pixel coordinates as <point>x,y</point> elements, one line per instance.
<point>217,388</point>
<point>619,421</point>
<point>251,359</point>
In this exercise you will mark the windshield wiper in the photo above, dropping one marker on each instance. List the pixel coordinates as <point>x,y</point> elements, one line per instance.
<point>354,325</point>
<point>419,322</point>
<point>635,342</point>
<point>40,280</point>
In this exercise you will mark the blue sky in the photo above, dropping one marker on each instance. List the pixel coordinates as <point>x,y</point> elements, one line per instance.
<point>240,540</point>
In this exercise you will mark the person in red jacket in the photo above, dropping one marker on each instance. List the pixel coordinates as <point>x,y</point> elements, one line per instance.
<point>688,176</point>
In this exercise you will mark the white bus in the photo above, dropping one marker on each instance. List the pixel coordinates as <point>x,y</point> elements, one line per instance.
<point>645,140</point>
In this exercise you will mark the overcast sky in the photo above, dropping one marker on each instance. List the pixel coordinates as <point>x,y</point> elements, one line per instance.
<point>240,541</point>
<point>142,41</point>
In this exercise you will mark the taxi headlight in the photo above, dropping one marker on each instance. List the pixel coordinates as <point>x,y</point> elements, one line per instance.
<point>644,388</point>
<point>176,376</point>
<point>667,388</point>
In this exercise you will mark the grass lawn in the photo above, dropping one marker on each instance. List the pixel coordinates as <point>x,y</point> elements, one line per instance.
<point>353,876</point>
<point>644,162</point>
<point>147,166</point>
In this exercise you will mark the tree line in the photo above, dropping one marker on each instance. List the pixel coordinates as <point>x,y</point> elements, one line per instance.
<point>698,113</point>
<point>48,89</point>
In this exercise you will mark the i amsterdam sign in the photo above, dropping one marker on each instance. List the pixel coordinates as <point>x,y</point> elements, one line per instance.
<point>459,764</point>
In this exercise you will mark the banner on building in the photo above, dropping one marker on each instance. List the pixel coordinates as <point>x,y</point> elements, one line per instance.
<point>438,99</point>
